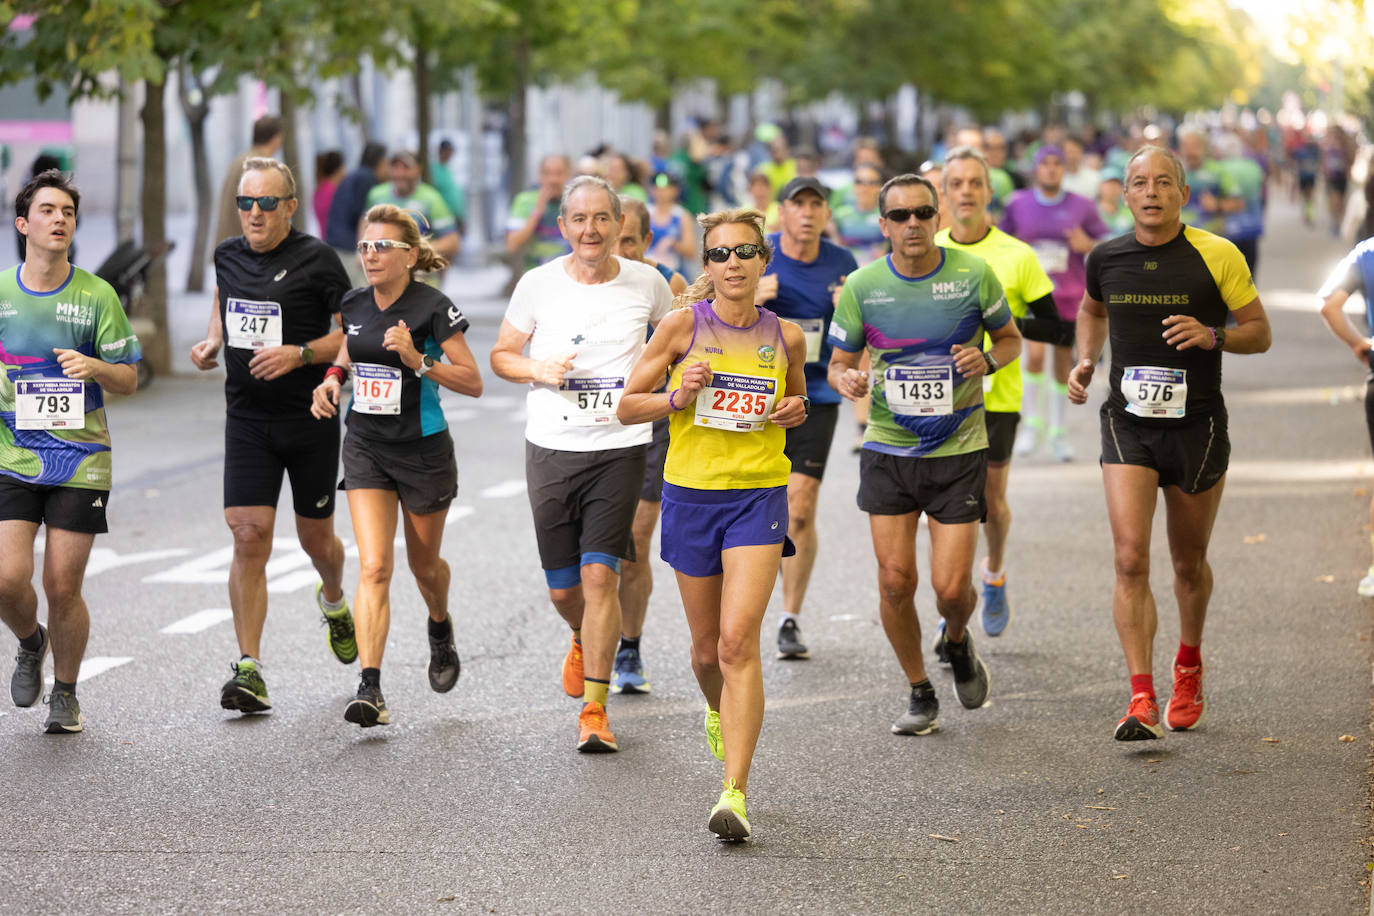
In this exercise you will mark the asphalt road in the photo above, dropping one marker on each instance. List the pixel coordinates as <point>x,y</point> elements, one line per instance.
<point>476,801</point>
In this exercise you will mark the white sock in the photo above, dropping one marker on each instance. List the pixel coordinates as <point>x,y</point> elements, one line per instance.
<point>786,617</point>
<point>334,605</point>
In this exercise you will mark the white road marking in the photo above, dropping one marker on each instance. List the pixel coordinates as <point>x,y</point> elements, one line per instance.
<point>103,558</point>
<point>200,620</point>
<point>846,617</point>
<point>504,489</point>
<point>91,667</point>
<point>284,572</point>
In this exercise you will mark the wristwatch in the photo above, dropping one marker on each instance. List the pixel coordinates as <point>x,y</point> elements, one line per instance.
<point>806,404</point>
<point>307,356</point>
<point>1220,335</point>
<point>426,364</point>
<point>992,363</point>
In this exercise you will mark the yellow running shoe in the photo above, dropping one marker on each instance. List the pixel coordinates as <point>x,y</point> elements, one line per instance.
<point>713,739</point>
<point>727,818</point>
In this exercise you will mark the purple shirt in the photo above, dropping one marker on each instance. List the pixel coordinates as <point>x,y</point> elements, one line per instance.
<point>1045,227</point>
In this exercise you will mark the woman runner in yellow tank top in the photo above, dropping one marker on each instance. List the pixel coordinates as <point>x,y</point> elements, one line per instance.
<point>734,368</point>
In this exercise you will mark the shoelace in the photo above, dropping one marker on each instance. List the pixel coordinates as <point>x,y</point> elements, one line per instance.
<point>595,719</point>
<point>338,626</point>
<point>626,662</point>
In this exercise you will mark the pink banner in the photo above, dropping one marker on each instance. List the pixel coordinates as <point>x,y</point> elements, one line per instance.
<point>35,131</point>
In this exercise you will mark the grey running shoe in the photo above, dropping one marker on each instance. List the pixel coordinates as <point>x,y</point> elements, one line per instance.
<point>64,713</point>
<point>790,645</point>
<point>367,708</point>
<point>26,686</point>
<point>921,710</point>
<point>246,691</point>
<point>971,680</point>
<point>444,666</point>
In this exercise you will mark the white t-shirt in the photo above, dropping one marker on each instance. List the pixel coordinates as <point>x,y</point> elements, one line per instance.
<point>605,325</point>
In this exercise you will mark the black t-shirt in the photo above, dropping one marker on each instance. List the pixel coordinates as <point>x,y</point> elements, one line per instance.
<point>390,402</point>
<point>1196,273</point>
<point>286,296</point>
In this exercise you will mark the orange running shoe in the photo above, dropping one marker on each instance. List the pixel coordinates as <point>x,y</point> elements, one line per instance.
<point>593,732</point>
<point>1141,721</point>
<point>1186,706</point>
<point>572,671</point>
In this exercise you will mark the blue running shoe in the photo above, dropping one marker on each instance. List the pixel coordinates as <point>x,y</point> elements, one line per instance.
<point>628,674</point>
<point>996,605</point>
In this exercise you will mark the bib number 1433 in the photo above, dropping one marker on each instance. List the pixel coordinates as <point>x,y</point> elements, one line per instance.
<point>920,391</point>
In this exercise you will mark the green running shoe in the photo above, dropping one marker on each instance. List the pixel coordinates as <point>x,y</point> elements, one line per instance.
<point>727,818</point>
<point>713,739</point>
<point>245,691</point>
<point>340,622</point>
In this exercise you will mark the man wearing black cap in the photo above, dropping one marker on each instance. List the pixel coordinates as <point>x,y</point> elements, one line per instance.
<point>407,191</point>
<point>801,284</point>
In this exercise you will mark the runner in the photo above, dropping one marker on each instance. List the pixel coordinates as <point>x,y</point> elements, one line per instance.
<point>276,312</point>
<point>1355,274</point>
<point>406,191</point>
<point>398,448</point>
<point>968,192</point>
<point>584,318</point>
<point>859,224</point>
<point>636,576</point>
<point>1164,420</point>
<point>800,284</point>
<point>532,226</point>
<point>921,313</point>
<point>734,369</point>
<point>54,441</point>
<point>1062,227</point>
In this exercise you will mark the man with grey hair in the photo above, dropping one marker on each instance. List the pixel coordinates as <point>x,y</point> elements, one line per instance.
<point>276,314</point>
<point>583,317</point>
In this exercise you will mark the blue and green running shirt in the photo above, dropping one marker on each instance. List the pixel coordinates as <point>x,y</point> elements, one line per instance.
<point>83,315</point>
<point>921,406</point>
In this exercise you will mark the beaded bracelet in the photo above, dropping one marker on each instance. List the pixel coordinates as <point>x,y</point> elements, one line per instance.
<point>673,408</point>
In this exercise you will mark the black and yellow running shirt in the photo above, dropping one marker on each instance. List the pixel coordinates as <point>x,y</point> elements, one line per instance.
<point>1197,274</point>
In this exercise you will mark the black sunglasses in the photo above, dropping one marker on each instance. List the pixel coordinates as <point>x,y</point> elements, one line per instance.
<point>903,214</point>
<point>722,254</point>
<point>266,204</point>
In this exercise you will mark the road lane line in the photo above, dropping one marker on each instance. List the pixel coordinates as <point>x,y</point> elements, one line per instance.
<point>91,667</point>
<point>200,620</point>
<point>503,490</point>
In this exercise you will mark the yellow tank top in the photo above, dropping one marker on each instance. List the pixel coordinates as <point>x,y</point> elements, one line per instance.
<point>723,440</point>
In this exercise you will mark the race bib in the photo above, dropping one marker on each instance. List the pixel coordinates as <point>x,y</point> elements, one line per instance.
<point>1154,392</point>
<point>50,404</point>
<point>252,325</point>
<point>376,389</point>
<point>1053,256</point>
<point>920,391</point>
<point>591,401</point>
<point>739,403</point>
<point>811,330</point>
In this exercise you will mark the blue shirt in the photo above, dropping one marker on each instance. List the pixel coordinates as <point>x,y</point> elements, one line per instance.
<point>806,291</point>
<point>1355,274</point>
<point>350,201</point>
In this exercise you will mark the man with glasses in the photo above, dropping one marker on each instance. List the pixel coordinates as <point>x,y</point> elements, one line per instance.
<point>800,285</point>
<point>921,313</point>
<point>584,317</point>
<point>276,314</point>
<point>967,194</point>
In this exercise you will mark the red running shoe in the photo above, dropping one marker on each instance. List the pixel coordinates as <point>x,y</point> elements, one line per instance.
<point>1141,721</point>
<point>1186,706</point>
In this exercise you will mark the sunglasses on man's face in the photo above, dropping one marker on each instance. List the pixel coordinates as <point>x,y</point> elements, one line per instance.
<point>722,254</point>
<point>266,204</point>
<point>902,214</point>
<point>369,246</point>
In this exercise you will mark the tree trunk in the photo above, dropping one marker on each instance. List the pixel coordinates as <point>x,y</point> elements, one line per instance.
<point>290,154</point>
<point>422,92</point>
<point>126,175</point>
<point>156,346</point>
<point>196,107</point>
<point>517,145</point>
<point>663,116</point>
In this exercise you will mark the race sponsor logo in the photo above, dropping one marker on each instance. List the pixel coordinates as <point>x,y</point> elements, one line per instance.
<point>353,329</point>
<point>118,344</point>
<point>878,296</point>
<point>454,316</point>
<point>992,309</point>
<point>766,353</point>
<point>7,309</point>
<point>280,274</point>
<point>838,333</point>
<point>950,289</point>
<point>74,313</point>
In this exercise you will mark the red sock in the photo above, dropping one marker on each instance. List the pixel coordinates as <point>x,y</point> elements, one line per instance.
<point>1142,683</point>
<point>1188,656</point>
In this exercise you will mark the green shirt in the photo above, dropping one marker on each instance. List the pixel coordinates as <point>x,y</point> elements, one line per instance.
<point>83,315</point>
<point>909,325</point>
<point>425,199</point>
